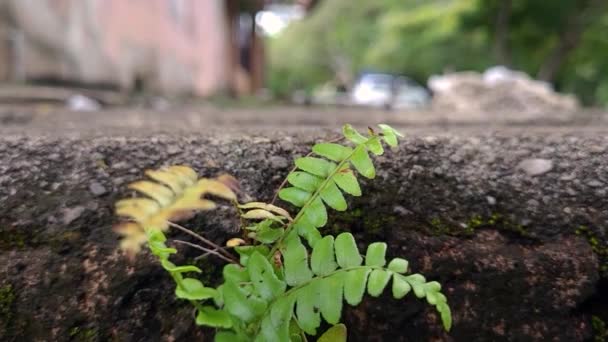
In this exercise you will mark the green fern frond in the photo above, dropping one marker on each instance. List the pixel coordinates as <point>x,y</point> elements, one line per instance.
<point>320,181</point>
<point>173,194</point>
<point>281,288</point>
<point>313,287</point>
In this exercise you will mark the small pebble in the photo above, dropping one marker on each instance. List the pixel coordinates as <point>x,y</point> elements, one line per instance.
<point>595,183</point>
<point>97,189</point>
<point>535,166</point>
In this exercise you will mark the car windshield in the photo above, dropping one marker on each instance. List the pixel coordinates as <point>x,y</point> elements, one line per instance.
<point>376,79</point>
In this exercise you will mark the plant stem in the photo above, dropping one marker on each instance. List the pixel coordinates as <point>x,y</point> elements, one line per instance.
<point>210,251</point>
<point>198,236</point>
<point>204,255</point>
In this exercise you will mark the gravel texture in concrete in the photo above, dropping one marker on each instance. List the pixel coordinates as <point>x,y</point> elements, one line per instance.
<point>506,221</point>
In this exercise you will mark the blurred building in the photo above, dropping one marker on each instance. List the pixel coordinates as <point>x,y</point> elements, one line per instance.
<point>200,47</point>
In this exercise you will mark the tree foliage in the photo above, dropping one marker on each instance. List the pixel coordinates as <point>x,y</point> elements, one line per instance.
<point>561,41</point>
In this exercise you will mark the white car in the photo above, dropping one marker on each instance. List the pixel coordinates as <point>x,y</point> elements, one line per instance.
<point>389,91</point>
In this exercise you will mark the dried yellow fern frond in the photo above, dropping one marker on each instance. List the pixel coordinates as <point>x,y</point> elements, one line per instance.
<point>172,194</point>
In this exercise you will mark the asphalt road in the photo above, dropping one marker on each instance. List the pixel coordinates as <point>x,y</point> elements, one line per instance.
<point>53,119</point>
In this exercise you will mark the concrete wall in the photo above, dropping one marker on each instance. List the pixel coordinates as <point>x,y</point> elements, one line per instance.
<point>170,45</point>
<point>519,254</point>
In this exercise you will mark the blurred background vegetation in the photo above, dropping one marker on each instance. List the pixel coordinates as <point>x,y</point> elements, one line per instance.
<point>564,42</point>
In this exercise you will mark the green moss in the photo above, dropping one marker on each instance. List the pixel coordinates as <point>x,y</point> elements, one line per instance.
<point>12,239</point>
<point>375,225</point>
<point>439,227</point>
<point>66,238</point>
<point>598,247</point>
<point>600,331</point>
<point>358,219</point>
<point>73,331</point>
<point>7,298</point>
<point>83,334</point>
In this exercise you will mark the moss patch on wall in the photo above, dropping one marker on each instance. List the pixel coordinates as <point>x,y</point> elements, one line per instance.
<point>83,334</point>
<point>438,226</point>
<point>600,331</point>
<point>7,298</point>
<point>10,239</point>
<point>597,245</point>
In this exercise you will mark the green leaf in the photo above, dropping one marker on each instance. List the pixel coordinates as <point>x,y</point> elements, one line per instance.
<point>335,152</point>
<point>363,163</point>
<point>170,267</point>
<point>398,265</point>
<point>235,274</point>
<point>226,336</point>
<point>322,259</point>
<point>353,135</point>
<point>347,181</point>
<point>316,166</point>
<point>440,297</point>
<point>295,196</point>
<point>390,135</point>
<point>354,285</point>
<point>390,139</point>
<point>400,286</point>
<point>264,224</point>
<point>295,332</point>
<point>377,282</point>
<point>160,249</point>
<point>269,333</point>
<point>239,305</point>
<point>269,235</point>
<point>193,289</point>
<point>308,231</point>
<point>376,254</point>
<point>347,253</point>
<point>265,281</point>
<point>330,297</point>
<point>432,286</point>
<point>337,333</point>
<point>246,251</point>
<point>333,196</point>
<point>213,317</point>
<point>295,261</point>
<point>282,312</point>
<point>387,128</point>
<point>417,282</point>
<point>446,315</point>
<point>431,297</point>
<point>316,213</point>
<point>309,317</point>
<point>304,181</point>
<point>416,278</point>
<point>276,325</point>
<point>156,235</point>
<point>375,146</point>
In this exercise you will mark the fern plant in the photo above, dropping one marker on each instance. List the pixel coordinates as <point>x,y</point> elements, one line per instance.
<point>288,277</point>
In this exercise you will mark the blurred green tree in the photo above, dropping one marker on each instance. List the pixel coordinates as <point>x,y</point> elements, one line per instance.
<point>559,41</point>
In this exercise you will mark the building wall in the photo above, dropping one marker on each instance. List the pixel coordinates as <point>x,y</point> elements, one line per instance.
<point>172,46</point>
